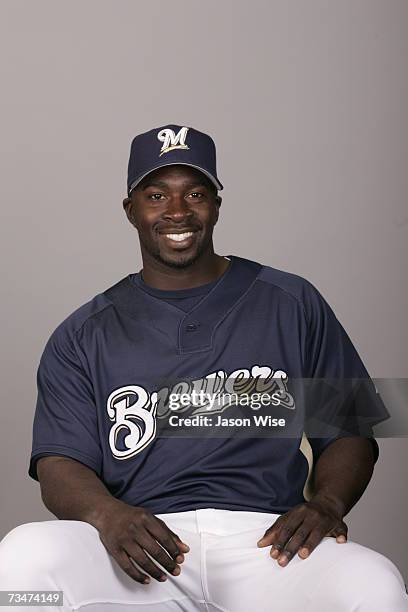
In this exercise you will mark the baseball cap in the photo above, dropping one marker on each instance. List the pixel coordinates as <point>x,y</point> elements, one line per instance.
<point>168,145</point>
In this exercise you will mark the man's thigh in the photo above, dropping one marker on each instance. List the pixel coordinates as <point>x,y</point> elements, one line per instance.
<point>69,556</point>
<point>221,573</point>
<point>336,577</point>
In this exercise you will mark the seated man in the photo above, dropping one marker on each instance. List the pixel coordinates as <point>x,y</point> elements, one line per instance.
<point>172,438</point>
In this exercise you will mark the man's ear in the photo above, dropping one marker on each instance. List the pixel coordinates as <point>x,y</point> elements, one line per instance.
<point>218,201</point>
<point>126,202</point>
<point>127,205</point>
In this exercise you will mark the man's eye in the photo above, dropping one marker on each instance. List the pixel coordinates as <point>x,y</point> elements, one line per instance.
<point>196,193</point>
<point>153,196</point>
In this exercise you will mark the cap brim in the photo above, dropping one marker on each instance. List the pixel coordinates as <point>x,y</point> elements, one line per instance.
<point>207,174</point>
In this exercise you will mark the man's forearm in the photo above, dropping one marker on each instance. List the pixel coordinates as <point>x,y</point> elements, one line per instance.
<point>343,472</point>
<point>72,491</point>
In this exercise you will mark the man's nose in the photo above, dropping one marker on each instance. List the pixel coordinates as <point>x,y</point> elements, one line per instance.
<point>178,206</point>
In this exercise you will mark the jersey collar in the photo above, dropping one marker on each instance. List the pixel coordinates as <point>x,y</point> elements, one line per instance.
<point>193,331</point>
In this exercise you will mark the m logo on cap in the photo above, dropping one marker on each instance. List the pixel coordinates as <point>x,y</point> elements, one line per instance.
<point>171,140</point>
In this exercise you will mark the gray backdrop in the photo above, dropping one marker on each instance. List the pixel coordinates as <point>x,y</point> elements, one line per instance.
<point>307,103</point>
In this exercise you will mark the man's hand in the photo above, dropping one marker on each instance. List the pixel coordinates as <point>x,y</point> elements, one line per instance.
<point>129,533</point>
<point>301,529</point>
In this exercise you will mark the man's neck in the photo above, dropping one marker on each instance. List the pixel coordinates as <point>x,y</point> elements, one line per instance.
<point>198,274</point>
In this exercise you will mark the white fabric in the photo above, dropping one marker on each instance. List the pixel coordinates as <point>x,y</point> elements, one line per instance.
<point>224,571</point>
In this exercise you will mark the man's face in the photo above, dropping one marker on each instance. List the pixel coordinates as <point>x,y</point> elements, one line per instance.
<point>174,210</point>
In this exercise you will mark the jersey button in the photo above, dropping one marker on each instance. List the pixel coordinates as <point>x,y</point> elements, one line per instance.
<point>192,326</point>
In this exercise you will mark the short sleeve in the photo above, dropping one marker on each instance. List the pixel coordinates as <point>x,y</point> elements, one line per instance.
<point>65,420</point>
<point>342,400</point>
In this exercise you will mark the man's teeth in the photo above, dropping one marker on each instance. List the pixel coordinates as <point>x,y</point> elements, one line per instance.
<point>179,237</point>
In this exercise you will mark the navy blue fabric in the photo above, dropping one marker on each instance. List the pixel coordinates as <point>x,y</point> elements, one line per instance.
<point>185,299</point>
<point>126,340</point>
<point>147,154</point>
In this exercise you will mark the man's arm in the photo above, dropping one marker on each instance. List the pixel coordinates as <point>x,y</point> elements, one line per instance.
<point>72,491</point>
<point>341,475</point>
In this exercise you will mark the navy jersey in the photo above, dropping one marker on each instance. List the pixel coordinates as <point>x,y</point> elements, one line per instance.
<point>109,370</point>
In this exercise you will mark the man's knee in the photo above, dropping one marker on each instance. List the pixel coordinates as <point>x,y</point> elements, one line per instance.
<point>385,589</point>
<point>30,551</point>
<point>367,580</point>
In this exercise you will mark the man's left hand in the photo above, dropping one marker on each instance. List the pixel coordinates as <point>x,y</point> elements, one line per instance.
<point>301,529</point>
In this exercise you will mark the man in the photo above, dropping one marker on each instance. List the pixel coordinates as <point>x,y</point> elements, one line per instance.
<point>146,451</point>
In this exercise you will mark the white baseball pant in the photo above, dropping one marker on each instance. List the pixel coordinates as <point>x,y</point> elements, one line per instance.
<point>224,571</point>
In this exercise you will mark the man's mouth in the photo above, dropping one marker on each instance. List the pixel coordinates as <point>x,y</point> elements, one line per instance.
<point>179,237</point>
<point>178,240</point>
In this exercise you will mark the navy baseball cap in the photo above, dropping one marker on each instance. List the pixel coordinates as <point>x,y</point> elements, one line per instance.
<point>169,145</point>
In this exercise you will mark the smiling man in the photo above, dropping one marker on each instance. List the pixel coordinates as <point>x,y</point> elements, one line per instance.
<point>175,209</point>
<point>188,468</point>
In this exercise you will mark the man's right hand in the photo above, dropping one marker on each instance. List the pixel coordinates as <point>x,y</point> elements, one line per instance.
<point>129,533</point>
<point>72,491</point>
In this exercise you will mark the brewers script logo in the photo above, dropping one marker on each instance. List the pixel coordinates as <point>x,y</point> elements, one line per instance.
<point>171,140</point>
<point>134,411</point>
